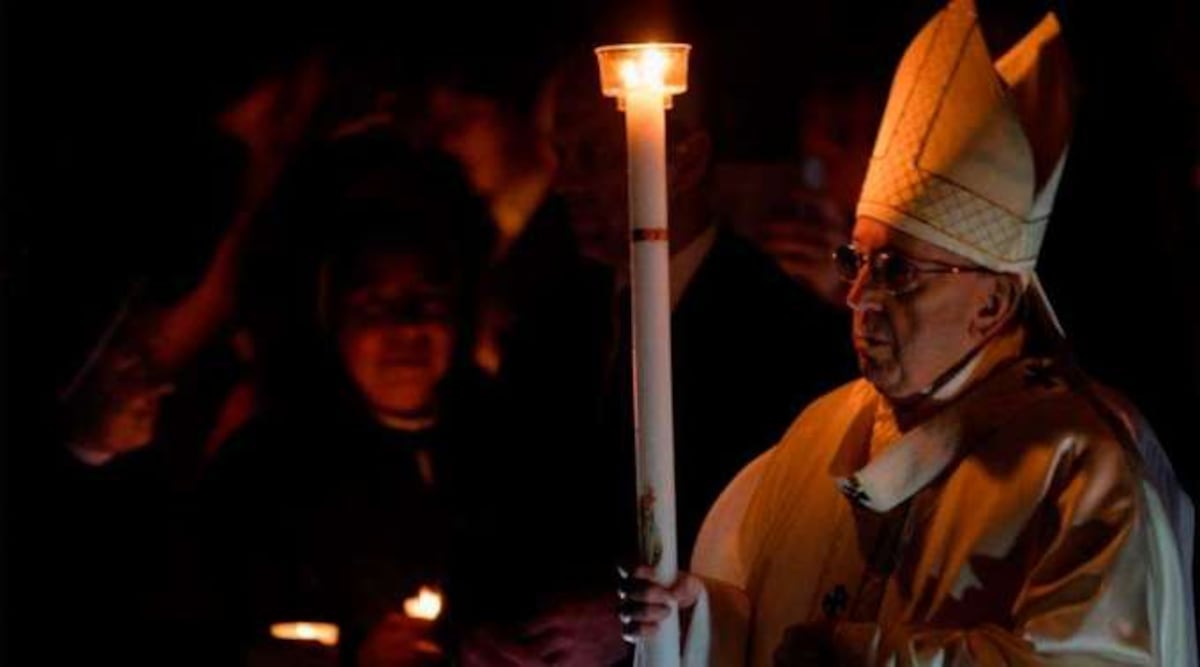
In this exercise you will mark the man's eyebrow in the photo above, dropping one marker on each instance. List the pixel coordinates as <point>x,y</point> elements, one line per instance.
<point>891,249</point>
<point>915,257</point>
<point>888,247</point>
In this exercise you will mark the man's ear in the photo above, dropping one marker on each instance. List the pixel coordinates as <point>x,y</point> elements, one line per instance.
<point>689,161</point>
<point>1000,301</point>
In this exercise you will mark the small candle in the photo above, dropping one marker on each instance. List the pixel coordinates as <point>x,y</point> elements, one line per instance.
<point>426,604</point>
<point>322,633</point>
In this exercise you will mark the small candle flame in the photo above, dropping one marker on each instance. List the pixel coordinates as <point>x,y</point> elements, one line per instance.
<point>427,604</point>
<point>323,633</point>
<point>647,70</point>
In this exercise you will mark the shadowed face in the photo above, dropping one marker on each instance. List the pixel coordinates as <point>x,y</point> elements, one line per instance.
<point>474,131</point>
<point>589,137</point>
<point>905,342</point>
<point>397,335</point>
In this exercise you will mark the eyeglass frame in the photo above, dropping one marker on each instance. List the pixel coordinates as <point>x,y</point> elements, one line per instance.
<point>871,260</point>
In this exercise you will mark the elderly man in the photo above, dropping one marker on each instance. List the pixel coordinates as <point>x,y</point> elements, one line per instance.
<point>969,501</point>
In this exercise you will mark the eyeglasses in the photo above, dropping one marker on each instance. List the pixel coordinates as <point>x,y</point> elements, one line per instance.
<point>896,273</point>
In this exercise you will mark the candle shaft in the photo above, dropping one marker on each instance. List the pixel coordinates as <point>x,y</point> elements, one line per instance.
<point>645,125</point>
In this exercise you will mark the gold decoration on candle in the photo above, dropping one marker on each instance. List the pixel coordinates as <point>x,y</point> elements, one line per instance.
<point>648,235</point>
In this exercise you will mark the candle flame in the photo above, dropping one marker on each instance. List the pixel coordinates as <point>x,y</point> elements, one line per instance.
<point>657,68</point>
<point>646,70</point>
<point>427,604</point>
<point>323,633</point>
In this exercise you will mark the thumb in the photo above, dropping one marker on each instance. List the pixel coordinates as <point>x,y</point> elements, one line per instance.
<point>686,589</point>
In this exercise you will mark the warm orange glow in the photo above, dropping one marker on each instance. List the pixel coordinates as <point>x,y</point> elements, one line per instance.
<point>427,604</point>
<point>428,648</point>
<point>627,68</point>
<point>323,633</point>
<point>645,71</point>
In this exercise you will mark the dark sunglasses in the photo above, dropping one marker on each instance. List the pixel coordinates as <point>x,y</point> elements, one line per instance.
<point>894,272</point>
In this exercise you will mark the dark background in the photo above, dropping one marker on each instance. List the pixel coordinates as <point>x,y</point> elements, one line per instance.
<point>110,167</point>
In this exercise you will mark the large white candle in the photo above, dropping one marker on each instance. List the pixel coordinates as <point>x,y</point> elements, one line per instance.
<point>643,77</point>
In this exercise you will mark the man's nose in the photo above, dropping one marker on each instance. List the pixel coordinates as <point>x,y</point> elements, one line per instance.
<point>864,294</point>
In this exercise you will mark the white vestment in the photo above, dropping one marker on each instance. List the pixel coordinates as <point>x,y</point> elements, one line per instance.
<point>1014,526</point>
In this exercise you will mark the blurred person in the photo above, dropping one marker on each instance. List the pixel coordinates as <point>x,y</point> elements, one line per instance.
<point>836,123</point>
<point>545,334</point>
<point>111,460</point>
<point>204,334</point>
<point>103,504</point>
<point>113,406</point>
<point>974,499</point>
<point>543,300</point>
<point>392,471</point>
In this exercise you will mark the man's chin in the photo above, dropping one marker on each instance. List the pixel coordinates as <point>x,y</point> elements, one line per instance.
<point>884,377</point>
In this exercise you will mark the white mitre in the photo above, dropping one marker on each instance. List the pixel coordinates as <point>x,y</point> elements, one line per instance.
<point>969,153</point>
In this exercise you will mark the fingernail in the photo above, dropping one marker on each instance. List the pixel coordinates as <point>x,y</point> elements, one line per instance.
<point>621,571</point>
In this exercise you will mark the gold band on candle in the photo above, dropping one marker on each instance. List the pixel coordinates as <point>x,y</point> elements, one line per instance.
<point>649,234</point>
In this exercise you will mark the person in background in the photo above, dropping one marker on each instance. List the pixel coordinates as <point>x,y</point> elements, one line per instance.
<point>834,145</point>
<point>104,506</point>
<point>114,456</point>
<point>546,333</point>
<point>387,475</point>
